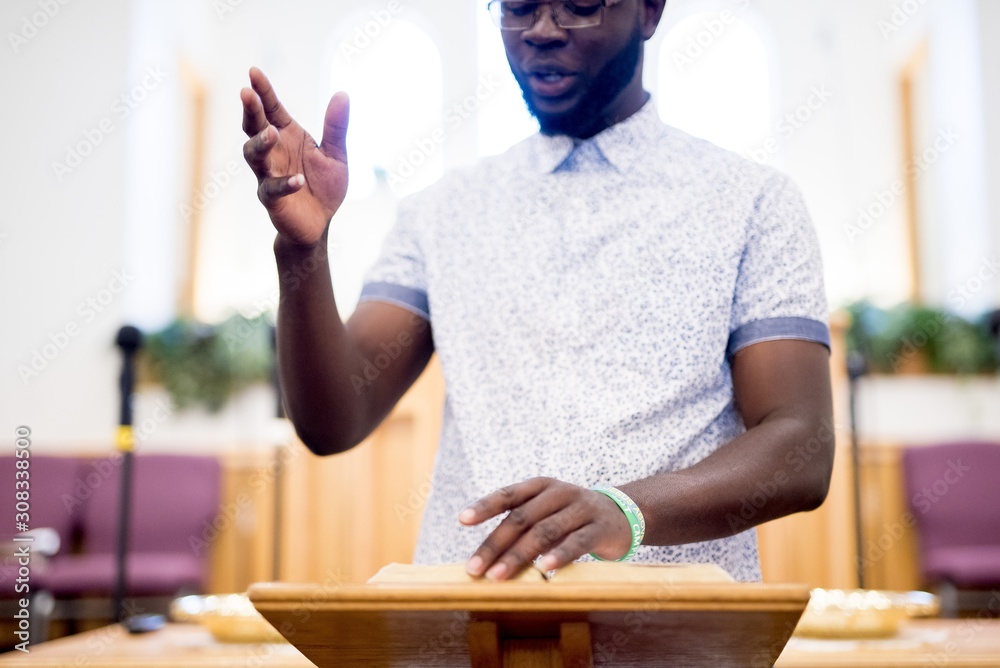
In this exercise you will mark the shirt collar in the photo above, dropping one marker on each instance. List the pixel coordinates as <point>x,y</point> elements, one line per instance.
<point>621,144</point>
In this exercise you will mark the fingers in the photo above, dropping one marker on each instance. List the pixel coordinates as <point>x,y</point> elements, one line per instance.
<point>335,127</point>
<point>529,529</point>
<point>273,109</point>
<point>273,189</point>
<point>572,547</point>
<point>257,149</point>
<point>503,500</point>
<point>540,539</point>
<point>254,120</point>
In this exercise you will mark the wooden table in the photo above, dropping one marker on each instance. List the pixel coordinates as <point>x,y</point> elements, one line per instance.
<point>174,646</point>
<point>974,643</point>
<point>956,643</point>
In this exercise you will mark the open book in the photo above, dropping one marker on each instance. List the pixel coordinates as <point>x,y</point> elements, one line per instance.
<point>581,571</point>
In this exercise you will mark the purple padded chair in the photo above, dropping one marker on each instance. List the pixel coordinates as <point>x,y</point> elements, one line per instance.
<point>51,491</point>
<point>953,491</point>
<point>174,499</point>
<point>51,507</point>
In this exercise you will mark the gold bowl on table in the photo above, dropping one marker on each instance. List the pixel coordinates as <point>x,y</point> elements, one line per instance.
<point>862,613</point>
<point>229,618</point>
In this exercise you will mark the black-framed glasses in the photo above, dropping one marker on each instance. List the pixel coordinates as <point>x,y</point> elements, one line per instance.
<point>522,14</point>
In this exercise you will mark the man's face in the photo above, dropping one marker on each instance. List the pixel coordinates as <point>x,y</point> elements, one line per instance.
<point>580,81</point>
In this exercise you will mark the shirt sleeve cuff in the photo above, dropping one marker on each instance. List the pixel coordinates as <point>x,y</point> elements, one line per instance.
<point>411,299</point>
<point>775,329</point>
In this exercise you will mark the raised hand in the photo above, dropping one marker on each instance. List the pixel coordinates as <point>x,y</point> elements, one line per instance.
<point>300,184</point>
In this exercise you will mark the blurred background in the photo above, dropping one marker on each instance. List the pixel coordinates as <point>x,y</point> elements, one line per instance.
<point>128,201</point>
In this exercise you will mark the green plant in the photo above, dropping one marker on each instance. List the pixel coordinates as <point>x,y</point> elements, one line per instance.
<point>909,335</point>
<point>204,365</point>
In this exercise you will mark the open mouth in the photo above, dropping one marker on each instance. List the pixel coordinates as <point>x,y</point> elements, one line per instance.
<point>551,82</point>
<point>550,77</point>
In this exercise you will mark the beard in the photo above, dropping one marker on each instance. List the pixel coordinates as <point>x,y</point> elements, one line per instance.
<point>613,78</point>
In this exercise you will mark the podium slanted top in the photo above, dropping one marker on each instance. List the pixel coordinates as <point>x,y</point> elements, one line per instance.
<point>616,614</point>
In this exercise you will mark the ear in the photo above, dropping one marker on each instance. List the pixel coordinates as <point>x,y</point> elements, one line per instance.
<point>652,12</point>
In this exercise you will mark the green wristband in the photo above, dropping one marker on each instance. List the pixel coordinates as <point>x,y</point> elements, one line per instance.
<point>632,513</point>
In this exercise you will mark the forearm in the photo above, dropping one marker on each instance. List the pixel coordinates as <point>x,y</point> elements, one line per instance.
<point>779,467</point>
<point>316,358</point>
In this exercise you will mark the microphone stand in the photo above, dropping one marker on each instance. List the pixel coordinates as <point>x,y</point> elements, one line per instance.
<point>129,339</point>
<point>279,462</point>
<point>856,368</point>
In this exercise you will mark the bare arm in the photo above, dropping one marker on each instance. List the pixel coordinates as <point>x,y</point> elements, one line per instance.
<point>332,396</point>
<point>334,376</point>
<point>781,465</point>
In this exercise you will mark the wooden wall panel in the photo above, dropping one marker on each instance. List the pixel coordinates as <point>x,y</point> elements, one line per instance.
<point>890,540</point>
<point>346,516</point>
<point>815,548</point>
<point>243,529</point>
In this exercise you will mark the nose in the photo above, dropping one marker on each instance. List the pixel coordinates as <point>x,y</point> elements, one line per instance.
<point>544,31</point>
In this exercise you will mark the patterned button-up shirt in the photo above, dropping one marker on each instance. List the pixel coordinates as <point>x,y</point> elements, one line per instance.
<point>586,299</point>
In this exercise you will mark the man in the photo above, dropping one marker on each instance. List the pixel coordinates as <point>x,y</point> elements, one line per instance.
<point>614,303</point>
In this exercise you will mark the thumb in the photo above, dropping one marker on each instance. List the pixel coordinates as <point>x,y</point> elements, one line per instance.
<point>335,127</point>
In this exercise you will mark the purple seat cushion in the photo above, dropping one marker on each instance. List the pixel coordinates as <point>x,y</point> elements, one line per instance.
<point>175,499</point>
<point>954,496</point>
<point>964,566</point>
<point>148,574</point>
<point>51,488</point>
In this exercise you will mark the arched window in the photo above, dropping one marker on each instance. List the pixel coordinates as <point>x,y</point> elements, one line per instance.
<point>395,81</point>
<point>714,81</point>
<point>393,73</point>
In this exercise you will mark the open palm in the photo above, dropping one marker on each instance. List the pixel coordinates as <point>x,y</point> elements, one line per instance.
<point>300,183</point>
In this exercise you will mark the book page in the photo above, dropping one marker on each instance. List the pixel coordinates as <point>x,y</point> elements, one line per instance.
<point>442,574</point>
<point>604,571</point>
<point>586,571</point>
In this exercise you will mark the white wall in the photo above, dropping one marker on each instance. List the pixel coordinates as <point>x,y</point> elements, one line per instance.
<point>989,21</point>
<point>63,238</point>
<point>120,210</point>
<point>961,222</point>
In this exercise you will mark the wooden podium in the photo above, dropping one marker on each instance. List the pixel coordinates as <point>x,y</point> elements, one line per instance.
<point>588,614</point>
